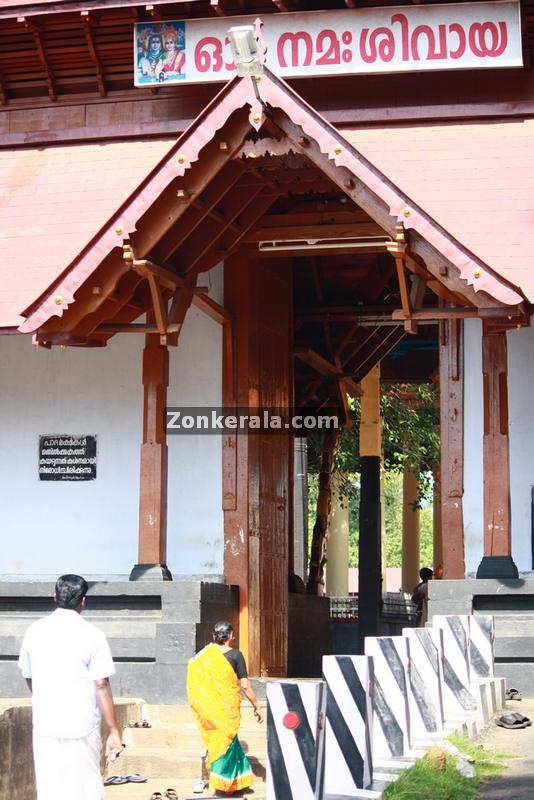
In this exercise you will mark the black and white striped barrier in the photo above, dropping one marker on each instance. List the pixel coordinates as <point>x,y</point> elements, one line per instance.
<point>481,646</point>
<point>450,634</point>
<point>295,740</point>
<point>425,702</point>
<point>348,763</point>
<point>390,731</point>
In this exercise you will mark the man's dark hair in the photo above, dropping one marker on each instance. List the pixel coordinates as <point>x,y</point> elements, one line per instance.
<point>222,632</point>
<point>426,574</point>
<point>70,591</point>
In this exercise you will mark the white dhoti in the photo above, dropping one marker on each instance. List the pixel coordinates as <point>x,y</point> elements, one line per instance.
<point>68,767</point>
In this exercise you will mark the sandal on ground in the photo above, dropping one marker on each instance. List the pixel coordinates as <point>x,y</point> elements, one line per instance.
<point>171,794</point>
<point>521,718</point>
<point>115,780</point>
<point>137,778</point>
<point>511,721</point>
<point>513,694</point>
<point>155,796</point>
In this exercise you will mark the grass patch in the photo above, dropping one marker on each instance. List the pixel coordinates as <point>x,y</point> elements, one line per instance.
<point>426,781</point>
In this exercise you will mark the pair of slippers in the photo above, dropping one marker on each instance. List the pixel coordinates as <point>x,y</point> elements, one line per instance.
<point>142,723</point>
<point>117,780</point>
<point>170,794</point>
<point>513,721</point>
<point>513,694</point>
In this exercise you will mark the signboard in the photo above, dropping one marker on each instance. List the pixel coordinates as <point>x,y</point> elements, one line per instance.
<point>344,42</point>
<point>64,457</point>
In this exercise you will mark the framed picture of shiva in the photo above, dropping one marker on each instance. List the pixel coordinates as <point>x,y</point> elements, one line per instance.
<point>159,53</point>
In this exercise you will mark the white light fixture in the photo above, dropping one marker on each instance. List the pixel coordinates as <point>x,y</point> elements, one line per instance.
<point>339,243</point>
<point>245,51</point>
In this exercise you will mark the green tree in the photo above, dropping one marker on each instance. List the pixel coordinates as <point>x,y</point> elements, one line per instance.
<point>411,438</point>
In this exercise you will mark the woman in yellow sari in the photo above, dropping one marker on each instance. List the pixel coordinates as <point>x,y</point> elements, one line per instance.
<point>215,678</point>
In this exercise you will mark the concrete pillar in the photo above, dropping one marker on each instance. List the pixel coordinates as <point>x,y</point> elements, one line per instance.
<point>410,531</point>
<point>337,547</point>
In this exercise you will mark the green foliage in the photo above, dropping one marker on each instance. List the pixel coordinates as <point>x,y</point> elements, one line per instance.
<point>410,414</point>
<point>411,430</point>
<point>393,518</point>
<point>424,780</point>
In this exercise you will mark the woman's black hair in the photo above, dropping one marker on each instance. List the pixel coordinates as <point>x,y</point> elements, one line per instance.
<point>222,632</point>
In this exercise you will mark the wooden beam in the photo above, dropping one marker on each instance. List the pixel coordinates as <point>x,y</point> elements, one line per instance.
<point>212,309</point>
<point>247,220</point>
<point>153,472</point>
<point>167,210</point>
<point>448,312</point>
<point>165,277</point>
<point>216,6</point>
<point>378,210</point>
<point>496,469</point>
<point>397,249</point>
<point>320,231</point>
<point>204,239</point>
<point>315,360</point>
<point>50,80</point>
<point>198,211</point>
<point>158,303</point>
<point>88,24</point>
<point>452,446</point>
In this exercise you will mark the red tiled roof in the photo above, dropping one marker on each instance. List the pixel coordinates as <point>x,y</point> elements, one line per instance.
<point>53,201</point>
<point>467,187</point>
<point>475,179</point>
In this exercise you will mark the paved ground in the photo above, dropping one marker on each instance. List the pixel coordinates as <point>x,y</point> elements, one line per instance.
<point>517,783</point>
<point>131,791</point>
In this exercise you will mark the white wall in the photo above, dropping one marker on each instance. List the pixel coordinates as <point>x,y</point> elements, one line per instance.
<point>91,527</point>
<point>521,421</point>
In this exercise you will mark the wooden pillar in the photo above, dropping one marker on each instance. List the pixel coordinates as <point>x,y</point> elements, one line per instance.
<point>437,538</point>
<point>257,467</point>
<point>451,370</point>
<point>337,547</point>
<point>410,531</point>
<point>497,561</point>
<point>153,481</point>
<point>369,550</point>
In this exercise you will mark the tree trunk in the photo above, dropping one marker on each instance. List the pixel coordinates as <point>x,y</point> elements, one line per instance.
<point>324,500</point>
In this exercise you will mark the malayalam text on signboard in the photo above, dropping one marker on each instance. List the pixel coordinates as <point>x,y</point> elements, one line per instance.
<point>66,457</point>
<point>348,41</point>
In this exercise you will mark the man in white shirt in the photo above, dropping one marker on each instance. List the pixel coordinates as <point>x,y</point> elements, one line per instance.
<point>67,663</point>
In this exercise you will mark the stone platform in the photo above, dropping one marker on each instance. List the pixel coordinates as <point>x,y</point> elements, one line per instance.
<point>511,603</point>
<point>153,628</point>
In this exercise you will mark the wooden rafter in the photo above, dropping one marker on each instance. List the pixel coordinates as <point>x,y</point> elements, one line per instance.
<point>397,248</point>
<point>88,24</point>
<point>218,250</point>
<point>205,238</point>
<point>199,209</point>
<point>3,91</point>
<point>355,230</point>
<point>217,7</point>
<point>38,39</point>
